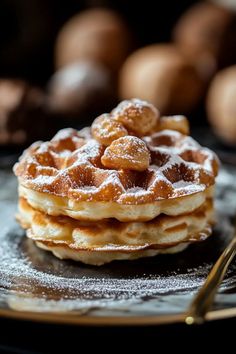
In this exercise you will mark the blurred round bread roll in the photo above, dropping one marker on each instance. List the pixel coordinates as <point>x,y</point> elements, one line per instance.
<point>23,116</point>
<point>160,74</point>
<point>221,105</point>
<point>230,4</point>
<point>99,34</point>
<point>206,34</point>
<point>80,88</point>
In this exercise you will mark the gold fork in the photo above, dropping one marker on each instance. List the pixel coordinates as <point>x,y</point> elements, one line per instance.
<point>204,298</point>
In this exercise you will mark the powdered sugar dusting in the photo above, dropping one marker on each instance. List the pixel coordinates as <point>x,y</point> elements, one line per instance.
<point>25,270</point>
<point>33,280</point>
<point>16,263</point>
<point>134,104</point>
<point>70,165</point>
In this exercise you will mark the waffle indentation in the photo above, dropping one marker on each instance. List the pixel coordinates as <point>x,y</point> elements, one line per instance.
<point>70,165</point>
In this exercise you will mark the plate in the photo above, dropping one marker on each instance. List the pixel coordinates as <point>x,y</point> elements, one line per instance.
<point>37,286</point>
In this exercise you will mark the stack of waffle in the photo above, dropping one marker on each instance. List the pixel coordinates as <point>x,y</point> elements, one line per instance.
<point>132,185</point>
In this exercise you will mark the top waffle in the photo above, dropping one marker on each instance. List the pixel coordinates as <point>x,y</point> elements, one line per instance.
<point>120,165</point>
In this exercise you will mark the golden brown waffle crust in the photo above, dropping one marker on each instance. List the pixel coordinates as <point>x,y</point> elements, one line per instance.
<point>67,172</point>
<point>110,239</point>
<point>53,205</point>
<point>97,258</point>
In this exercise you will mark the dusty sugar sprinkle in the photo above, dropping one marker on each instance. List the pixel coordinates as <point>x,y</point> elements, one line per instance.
<point>32,279</point>
<point>175,158</point>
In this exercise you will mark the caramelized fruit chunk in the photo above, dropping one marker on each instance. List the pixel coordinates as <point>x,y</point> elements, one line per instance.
<point>179,123</point>
<point>128,152</point>
<point>105,129</point>
<point>136,115</point>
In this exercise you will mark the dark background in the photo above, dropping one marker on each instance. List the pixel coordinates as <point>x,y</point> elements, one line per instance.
<point>37,338</point>
<point>28,29</point>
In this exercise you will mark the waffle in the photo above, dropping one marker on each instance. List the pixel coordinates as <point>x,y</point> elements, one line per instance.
<point>101,242</point>
<point>66,177</point>
<point>132,185</point>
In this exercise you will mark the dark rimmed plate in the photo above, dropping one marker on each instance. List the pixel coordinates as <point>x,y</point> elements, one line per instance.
<point>35,285</point>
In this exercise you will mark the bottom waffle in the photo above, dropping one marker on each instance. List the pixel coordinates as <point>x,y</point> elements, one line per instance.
<point>102,242</point>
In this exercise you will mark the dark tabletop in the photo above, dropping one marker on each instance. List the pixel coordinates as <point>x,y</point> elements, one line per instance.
<point>32,337</point>
<point>28,337</point>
